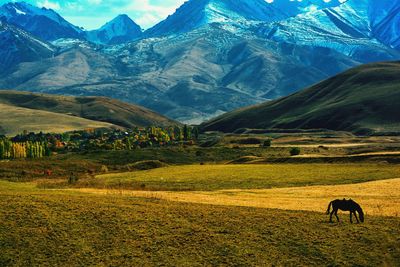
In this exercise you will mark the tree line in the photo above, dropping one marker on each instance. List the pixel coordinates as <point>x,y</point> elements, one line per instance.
<point>13,150</point>
<point>38,145</point>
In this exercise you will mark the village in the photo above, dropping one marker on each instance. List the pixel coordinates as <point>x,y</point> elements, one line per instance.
<point>38,145</point>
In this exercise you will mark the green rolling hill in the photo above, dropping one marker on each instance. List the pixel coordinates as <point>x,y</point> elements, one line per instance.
<point>363,100</point>
<point>52,113</point>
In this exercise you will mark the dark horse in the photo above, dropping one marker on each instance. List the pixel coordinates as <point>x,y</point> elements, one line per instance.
<point>345,205</point>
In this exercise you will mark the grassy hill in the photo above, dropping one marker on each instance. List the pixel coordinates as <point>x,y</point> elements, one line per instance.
<point>362,100</point>
<point>41,112</point>
<point>14,120</point>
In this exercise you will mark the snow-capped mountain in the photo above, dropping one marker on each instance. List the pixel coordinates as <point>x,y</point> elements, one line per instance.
<point>363,30</point>
<point>19,46</point>
<point>120,30</point>
<point>41,22</point>
<point>239,13</point>
<point>196,13</point>
<point>294,7</point>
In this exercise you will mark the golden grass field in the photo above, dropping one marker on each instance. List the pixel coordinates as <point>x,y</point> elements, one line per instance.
<point>378,198</point>
<point>281,186</point>
<point>71,228</point>
<point>198,215</point>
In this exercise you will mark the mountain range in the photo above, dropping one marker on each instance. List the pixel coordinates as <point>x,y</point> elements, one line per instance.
<point>363,100</point>
<point>236,13</point>
<point>208,58</point>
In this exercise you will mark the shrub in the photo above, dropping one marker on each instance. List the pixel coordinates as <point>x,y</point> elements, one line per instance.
<point>210,142</point>
<point>295,151</point>
<point>146,165</point>
<point>200,153</point>
<point>73,179</point>
<point>250,141</point>
<point>267,143</point>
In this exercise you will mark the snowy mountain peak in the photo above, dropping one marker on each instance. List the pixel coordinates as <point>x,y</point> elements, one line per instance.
<point>227,10</point>
<point>13,9</point>
<point>42,22</point>
<point>119,30</point>
<point>121,25</point>
<point>196,13</point>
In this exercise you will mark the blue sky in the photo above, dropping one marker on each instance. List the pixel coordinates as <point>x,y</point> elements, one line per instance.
<point>91,14</point>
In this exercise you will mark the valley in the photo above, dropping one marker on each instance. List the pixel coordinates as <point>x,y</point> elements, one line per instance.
<point>209,133</point>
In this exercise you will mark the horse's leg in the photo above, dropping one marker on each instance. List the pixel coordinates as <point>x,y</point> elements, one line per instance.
<point>355,215</point>
<point>330,217</point>
<point>337,217</point>
<point>351,216</point>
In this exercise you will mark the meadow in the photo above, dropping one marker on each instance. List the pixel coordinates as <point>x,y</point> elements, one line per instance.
<point>224,205</point>
<point>245,176</point>
<point>69,228</point>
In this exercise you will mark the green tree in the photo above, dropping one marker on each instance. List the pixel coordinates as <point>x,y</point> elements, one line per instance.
<point>295,151</point>
<point>185,132</point>
<point>195,132</point>
<point>178,133</point>
<point>267,143</point>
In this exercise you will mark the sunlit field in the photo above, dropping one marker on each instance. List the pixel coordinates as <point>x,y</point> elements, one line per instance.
<point>257,176</point>
<point>202,207</point>
<point>69,228</point>
<point>379,198</point>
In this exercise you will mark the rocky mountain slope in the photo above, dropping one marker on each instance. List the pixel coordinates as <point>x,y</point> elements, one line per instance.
<point>363,100</point>
<point>19,46</point>
<point>363,30</point>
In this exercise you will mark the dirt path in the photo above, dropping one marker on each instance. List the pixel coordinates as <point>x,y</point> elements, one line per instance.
<point>325,145</point>
<point>382,154</point>
<point>377,198</point>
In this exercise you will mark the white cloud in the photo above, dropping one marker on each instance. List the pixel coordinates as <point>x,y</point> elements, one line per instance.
<point>74,7</point>
<point>148,13</point>
<point>48,4</point>
<point>147,19</point>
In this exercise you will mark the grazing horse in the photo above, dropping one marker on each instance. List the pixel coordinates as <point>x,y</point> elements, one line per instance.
<point>345,205</point>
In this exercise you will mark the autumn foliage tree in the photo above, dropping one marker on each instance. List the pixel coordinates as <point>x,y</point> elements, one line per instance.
<point>18,150</point>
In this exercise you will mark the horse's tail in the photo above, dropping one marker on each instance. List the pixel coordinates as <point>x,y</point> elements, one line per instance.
<point>329,208</point>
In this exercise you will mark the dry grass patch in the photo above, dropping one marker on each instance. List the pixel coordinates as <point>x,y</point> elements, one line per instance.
<point>378,198</point>
<point>65,228</point>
